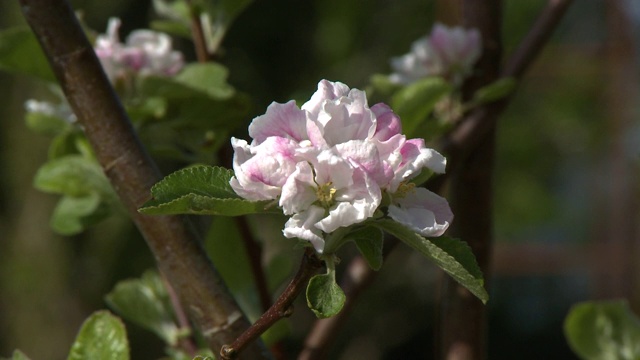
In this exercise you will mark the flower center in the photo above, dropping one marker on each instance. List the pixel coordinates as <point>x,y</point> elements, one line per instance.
<point>325,194</point>
<point>404,189</point>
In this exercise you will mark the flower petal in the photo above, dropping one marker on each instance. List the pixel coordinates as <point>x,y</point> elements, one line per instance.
<point>301,226</point>
<point>422,211</point>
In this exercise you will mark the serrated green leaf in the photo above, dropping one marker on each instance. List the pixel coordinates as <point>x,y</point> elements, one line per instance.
<point>324,296</point>
<point>102,336</point>
<point>145,302</point>
<point>195,80</point>
<point>21,53</point>
<point>202,190</point>
<point>604,330</point>
<point>205,205</point>
<point>369,241</point>
<point>495,91</point>
<point>452,255</point>
<point>415,102</point>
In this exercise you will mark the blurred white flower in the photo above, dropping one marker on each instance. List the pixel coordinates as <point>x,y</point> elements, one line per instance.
<point>145,52</point>
<point>447,52</point>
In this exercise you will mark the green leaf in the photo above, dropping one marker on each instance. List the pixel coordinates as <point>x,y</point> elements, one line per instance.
<point>73,175</point>
<point>102,336</point>
<point>172,27</point>
<point>195,80</point>
<point>494,91</point>
<point>17,355</point>
<point>21,53</point>
<point>452,255</point>
<point>604,330</point>
<point>202,190</point>
<point>145,302</point>
<point>171,9</point>
<point>324,297</point>
<point>369,241</point>
<point>415,102</point>
<point>74,214</point>
<point>225,248</point>
<point>46,124</point>
<point>217,17</point>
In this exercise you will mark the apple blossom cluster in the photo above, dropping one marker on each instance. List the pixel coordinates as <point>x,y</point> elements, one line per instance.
<point>145,52</point>
<point>334,162</point>
<point>447,52</point>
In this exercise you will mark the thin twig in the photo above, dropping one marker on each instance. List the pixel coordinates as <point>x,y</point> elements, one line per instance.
<point>131,171</point>
<point>199,39</point>
<point>283,307</point>
<point>186,343</point>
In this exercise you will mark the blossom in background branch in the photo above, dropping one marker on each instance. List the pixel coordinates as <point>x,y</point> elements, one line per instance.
<point>330,163</point>
<point>145,52</point>
<point>60,111</point>
<point>447,52</point>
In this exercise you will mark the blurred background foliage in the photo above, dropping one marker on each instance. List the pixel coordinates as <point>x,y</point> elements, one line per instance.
<point>565,182</point>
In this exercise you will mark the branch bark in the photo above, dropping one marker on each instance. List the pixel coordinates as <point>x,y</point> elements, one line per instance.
<point>131,171</point>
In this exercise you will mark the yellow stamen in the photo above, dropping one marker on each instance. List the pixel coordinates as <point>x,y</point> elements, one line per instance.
<point>325,194</point>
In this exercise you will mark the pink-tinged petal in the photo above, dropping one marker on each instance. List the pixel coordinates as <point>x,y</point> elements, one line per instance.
<point>422,211</point>
<point>261,171</point>
<point>282,120</point>
<point>327,90</point>
<point>299,191</point>
<point>388,123</point>
<point>364,153</point>
<point>301,226</point>
<point>330,167</point>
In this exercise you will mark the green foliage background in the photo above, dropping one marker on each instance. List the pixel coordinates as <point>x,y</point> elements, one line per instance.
<point>551,182</point>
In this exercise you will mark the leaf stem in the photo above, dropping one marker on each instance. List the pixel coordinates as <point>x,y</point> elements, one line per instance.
<point>199,39</point>
<point>186,343</point>
<point>283,307</point>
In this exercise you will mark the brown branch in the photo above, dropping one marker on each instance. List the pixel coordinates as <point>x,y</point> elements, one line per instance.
<point>283,307</point>
<point>131,172</point>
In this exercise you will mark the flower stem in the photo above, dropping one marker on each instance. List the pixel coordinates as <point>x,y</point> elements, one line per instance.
<point>283,307</point>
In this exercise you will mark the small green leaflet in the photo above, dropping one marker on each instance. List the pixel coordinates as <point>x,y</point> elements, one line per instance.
<point>452,255</point>
<point>415,102</point>
<point>603,330</point>
<point>201,190</point>
<point>369,241</point>
<point>102,336</point>
<point>324,297</point>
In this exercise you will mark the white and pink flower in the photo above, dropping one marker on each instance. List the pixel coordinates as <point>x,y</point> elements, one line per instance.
<point>447,52</point>
<point>329,162</point>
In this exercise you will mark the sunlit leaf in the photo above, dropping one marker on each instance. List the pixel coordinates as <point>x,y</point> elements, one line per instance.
<point>416,101</point>
<point>452,255</point>
<point>202,190</point>
<point>102,336</point>
<point>603,330</point>
<point>200,80</point>
<point>495,91</point>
